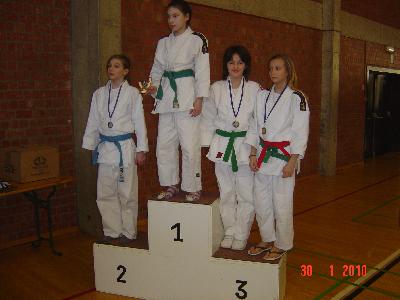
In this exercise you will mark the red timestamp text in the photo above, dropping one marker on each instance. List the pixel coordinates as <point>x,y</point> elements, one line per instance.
<point>344,270</point>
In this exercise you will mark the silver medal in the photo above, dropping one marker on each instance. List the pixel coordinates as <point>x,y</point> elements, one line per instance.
<point>110,124</point>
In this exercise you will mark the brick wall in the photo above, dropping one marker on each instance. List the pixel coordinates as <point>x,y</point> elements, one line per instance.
<point>35,100</point>
<point>351,112</point>
<point>384,11</point>
<point>261,36</point>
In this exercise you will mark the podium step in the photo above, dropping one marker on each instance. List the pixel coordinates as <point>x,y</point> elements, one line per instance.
<point>181,259</point>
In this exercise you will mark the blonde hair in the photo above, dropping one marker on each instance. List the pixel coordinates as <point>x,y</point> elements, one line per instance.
<point>289,65</point>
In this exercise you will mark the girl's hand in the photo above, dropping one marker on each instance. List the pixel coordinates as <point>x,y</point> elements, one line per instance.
<point>151,90</point>
<point>197,107</point>
<point>288,170</point>
<point>140,158</point>
<point>253,163</point>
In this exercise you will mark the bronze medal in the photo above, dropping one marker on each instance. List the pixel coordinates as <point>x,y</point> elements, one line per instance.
<point>264,130</point>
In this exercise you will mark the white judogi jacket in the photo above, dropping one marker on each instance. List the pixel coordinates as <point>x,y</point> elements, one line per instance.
<point>127,118</point>
<point>289,121</point>
<point>217,114</point>
<point>188,50</point>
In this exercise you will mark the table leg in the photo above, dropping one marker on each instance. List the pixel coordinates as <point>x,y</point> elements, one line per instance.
<point>45,204</point>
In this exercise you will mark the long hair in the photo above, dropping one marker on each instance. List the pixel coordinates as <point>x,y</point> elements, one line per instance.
<point>289,65</point>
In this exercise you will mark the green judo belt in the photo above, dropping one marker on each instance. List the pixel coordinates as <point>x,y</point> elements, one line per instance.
<point>171,75</point>
<point>230,149</point>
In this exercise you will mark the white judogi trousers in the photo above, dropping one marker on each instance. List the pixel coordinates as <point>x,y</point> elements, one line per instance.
<point>273,201</point>
<point>118,201</point>
<point>174,129</point>
<point>236,199</point>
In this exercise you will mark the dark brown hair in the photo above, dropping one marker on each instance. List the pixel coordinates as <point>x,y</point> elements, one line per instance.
<point>244,56</point>
<point>125,62</point>
<point>183,6</point>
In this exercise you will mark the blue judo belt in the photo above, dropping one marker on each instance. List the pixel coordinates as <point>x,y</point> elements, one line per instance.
<point>116,139</point>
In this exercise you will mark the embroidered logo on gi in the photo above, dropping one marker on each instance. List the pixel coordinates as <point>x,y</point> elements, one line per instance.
<point>204,49</point>
<point>197,174</point>
<point>219,155</point>
<point>303,103</point>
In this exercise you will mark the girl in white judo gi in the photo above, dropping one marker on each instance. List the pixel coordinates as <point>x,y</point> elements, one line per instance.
<point>181,78</point>
<point>281,130</point>
<point>225,120</point>
<point>116,113</point>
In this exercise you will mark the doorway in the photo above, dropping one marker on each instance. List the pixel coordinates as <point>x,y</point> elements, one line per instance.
<point>382,124</point>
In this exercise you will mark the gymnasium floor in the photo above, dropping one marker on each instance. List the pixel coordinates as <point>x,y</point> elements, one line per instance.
<point>341,223</point>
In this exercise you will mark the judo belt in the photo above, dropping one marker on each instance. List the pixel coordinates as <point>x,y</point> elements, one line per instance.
<point>116,139</point>
<point>171,75</point>
<point>230,149</point>
<point>271,149</point>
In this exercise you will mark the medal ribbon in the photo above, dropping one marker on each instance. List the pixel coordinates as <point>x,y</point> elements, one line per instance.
<point>230,96</point>
<point>116,101</point>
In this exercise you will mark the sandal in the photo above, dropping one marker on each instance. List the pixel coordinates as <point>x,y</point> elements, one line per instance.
<point>258,249</point>
<point>278,255</point>
<point>169,193</point>
<point>193,196</point>
<point>4,186</point>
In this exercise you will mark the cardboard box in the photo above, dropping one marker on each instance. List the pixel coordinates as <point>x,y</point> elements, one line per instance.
<point>30,163</point>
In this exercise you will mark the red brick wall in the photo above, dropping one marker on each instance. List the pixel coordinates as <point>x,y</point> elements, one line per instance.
<point>376,55</point>
<point>35,100</point>
<point>383,11</point>
<point>261,36</point>
<point>351,111</point>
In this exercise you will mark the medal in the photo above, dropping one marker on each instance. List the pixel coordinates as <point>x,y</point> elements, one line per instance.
<point>175,105</point>
<point>264,129</point>
<point>110,124</point>
<point>235,123</point>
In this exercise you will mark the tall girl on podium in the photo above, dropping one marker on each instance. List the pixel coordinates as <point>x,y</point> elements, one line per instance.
<point>225,120</point>
<point>281,130</point>
<point>181,79</point>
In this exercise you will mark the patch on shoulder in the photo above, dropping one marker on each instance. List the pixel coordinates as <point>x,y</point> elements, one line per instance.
<point>303,103</point>
<point>204,49</point>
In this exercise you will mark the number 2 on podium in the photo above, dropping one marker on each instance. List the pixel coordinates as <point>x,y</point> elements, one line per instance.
<point>177,226</point>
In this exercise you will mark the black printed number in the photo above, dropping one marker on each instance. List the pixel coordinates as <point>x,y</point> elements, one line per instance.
<point>178,238</point>
<point>241,293</point>
<point>123,271</point>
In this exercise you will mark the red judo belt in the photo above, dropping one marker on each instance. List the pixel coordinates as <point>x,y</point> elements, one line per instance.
<point>271,149</point>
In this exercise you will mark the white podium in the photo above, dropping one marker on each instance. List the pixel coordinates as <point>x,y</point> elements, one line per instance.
<point>182,259</point>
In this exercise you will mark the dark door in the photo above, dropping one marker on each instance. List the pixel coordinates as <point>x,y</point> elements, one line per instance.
<point>382,126</point>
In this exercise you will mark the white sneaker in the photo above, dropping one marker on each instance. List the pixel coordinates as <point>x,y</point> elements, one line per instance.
<point>238,244</point>
<point>227,242</point>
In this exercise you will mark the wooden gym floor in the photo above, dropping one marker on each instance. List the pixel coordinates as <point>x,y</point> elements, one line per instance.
<point>341,222</point>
